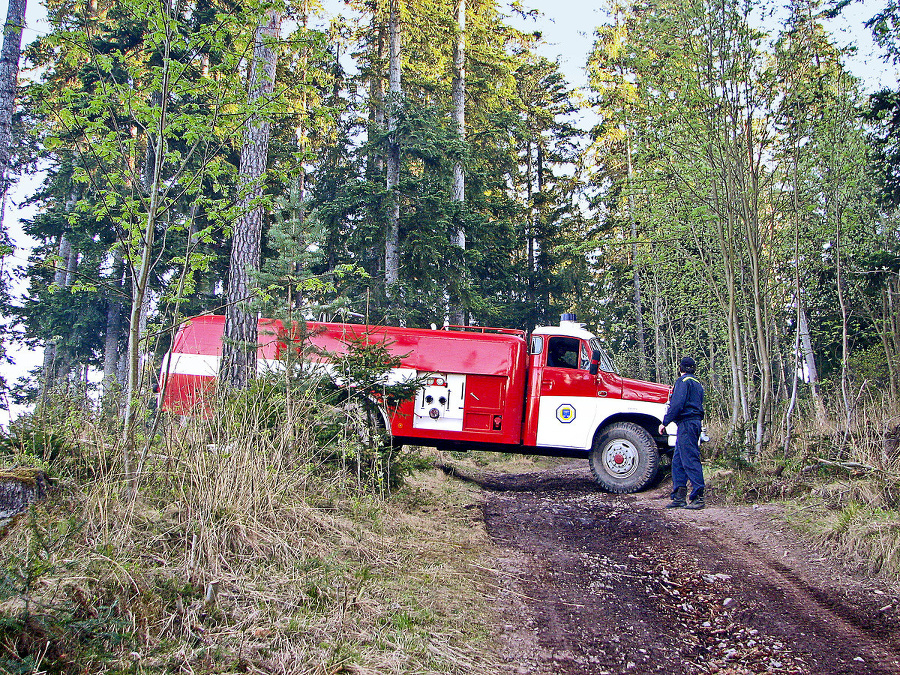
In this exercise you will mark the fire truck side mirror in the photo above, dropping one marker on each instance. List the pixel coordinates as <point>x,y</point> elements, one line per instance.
<point>594,368</point>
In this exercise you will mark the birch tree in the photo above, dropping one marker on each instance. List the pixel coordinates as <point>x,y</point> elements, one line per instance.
<point>9,71</point>
<point>392,182</point>
<point>458,95</point>
<point>9,78</point>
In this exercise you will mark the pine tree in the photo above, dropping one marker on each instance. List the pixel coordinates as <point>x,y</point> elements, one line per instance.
<point>239,349</point>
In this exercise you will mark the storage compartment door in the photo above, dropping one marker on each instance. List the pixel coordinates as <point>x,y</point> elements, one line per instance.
<point>485,398</point>
<point>439,403</point>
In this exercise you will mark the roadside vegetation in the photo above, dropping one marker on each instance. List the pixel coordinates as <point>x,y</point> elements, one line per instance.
<point>248,541</point>
<point>839,486</point>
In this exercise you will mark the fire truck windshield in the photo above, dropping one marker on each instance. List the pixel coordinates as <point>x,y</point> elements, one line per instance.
<point>606,363</point>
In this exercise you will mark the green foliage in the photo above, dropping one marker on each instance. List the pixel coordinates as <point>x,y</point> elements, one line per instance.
<point>53,632</point>
<point>724,243</point>
<point>869,368</point>
<point>366,370</point>
<point>113,92</point>
<point>343,410</point>
<point>363,388</point>
<point>35,442</point>
<point>718,171</point>
<point>516,128</point>
<point>884,116</point>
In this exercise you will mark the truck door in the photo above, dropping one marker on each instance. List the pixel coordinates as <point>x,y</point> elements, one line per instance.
<point>568,395</point>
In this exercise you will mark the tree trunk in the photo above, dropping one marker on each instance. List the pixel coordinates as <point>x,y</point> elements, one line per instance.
<point>141,276</point>
<point>61,267</point>
<point>658,337</point>
<point>891,332</point>
<point>113,331</point>
<point>725,234</point>
<point>458,95</point>
<point>9,76</point>
<point>240,343</point>
<point>530,234</point>
<point>540,263</point>
<point>638,305</point>
<point>845,331</point>
<point>392,240</point>
<point>377,83</point>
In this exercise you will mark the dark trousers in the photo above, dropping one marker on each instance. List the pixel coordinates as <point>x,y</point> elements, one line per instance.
<point>686,458</point>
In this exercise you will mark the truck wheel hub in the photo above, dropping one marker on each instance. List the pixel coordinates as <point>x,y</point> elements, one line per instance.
<point>621,458</point>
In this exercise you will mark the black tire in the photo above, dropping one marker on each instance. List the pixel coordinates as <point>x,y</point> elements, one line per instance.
<point>367,424</point>
<point>624,458</point>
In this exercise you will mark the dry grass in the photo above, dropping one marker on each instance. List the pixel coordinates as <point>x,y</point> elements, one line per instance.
<point>258,552</point>
<point>502,462</point>
<point>840,485</point>
<point>866,538</point>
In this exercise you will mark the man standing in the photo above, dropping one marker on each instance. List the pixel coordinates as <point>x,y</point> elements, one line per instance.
<point>686,409</point>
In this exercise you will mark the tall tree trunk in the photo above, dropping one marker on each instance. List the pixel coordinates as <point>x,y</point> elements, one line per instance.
<point>845,313</point>
<point>9,75</point>
<point>60,273</point>
<point>458,95</point>
<point>740,412</point>
<point>392,240</point>
<point>377,102</point>
<point>240,344</point>
<point>891,332</point>
<point>638,305</point>
<point>113,330</point>
<point>788,416</point>
<point>754,236</point>
<point>539,228</point>
<point>658,337</point>
<point>760,331</point>
<point>141,275</point>
<point>530,235</point>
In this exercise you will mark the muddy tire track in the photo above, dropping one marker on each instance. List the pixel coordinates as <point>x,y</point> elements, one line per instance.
<point>587,582</point>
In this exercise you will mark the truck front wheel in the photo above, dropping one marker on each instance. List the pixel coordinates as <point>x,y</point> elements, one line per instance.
<point>624,458</point>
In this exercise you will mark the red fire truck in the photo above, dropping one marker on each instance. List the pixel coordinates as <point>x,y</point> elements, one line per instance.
<point>556,393</point>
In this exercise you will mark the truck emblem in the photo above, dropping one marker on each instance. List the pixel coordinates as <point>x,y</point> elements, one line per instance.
<point>565,413</point>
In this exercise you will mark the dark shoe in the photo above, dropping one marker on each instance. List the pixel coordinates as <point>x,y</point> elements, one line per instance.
<point>679,499</point>
<point>698,502</point>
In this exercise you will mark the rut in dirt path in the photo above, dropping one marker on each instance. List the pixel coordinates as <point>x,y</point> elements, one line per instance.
<point>594,583</point>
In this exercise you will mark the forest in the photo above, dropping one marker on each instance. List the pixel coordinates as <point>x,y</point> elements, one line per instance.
<point>735,199</point>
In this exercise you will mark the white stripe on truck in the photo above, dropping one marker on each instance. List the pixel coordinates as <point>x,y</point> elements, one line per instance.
<point>190,364</point>
<point>206,365</point>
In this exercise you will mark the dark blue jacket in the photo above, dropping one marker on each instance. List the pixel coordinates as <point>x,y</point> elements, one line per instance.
<point>686,401</point>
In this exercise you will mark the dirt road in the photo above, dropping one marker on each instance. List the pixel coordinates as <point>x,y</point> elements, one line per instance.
<point>588,582</point>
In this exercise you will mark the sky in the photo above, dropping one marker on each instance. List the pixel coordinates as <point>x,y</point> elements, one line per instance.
<point>567,27</point>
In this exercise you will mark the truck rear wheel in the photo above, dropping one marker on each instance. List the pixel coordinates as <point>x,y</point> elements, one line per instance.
<point>624,458</point>
<point>366,424</point>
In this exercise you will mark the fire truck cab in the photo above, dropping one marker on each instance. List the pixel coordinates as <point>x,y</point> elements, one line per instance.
<point>553,393</point>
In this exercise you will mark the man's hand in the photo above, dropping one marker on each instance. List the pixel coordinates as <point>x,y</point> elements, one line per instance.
<point>662,430</point>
